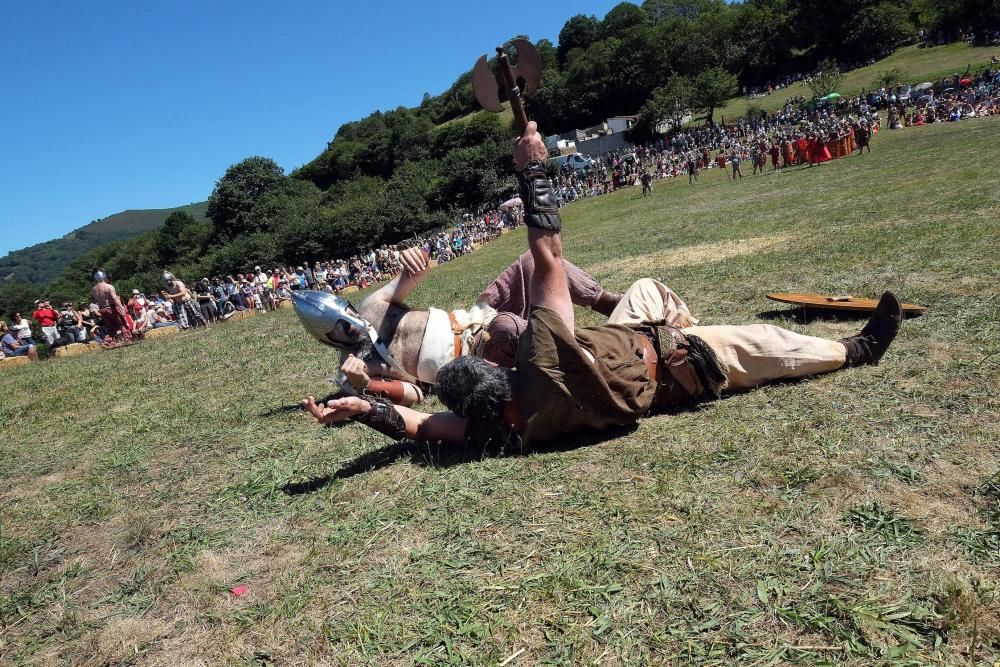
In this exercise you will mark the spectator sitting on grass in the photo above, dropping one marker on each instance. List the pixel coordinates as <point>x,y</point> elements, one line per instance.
<point>12,347</point>
<point>157,318</point>
<point>88,321</point>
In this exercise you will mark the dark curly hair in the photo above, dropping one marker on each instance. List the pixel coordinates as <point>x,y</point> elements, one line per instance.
<point>470,387</point>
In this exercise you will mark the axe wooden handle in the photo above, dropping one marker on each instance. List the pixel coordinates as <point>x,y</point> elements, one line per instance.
<point>513,92</point>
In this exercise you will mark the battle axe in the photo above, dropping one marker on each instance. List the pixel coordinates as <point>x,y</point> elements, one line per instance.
<point>488,84</point>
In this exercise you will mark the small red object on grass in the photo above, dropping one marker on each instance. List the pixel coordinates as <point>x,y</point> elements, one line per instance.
<point>240,591</point>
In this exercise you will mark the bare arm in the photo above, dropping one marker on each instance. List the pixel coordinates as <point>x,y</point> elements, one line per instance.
<point>415,266</point>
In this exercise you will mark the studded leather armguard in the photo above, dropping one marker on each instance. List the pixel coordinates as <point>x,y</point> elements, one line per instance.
<point>541,209</point>
<point>383,418</point>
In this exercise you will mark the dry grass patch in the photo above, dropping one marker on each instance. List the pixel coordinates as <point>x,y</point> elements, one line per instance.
<point>654,263</point>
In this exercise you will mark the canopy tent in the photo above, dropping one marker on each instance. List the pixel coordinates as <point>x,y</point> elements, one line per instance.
<point>511,203</point>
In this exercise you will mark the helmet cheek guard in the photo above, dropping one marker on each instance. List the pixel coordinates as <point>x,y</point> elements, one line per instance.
<point>330,319</point>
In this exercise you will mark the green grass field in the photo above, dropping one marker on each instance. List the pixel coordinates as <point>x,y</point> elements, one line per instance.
<point>849,519</point>
<point>914,64</point>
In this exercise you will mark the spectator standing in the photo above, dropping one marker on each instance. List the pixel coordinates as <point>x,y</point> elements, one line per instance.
<point>46,318</point>
<point>207,301</point>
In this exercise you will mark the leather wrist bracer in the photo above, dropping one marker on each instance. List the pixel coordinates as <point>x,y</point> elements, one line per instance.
<point>383,418</point>
<point>541,209</point>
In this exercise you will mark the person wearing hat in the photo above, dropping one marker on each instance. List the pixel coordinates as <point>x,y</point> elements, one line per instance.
<point>137,303</point>
<point>10,346</point>
<point>46,318</point>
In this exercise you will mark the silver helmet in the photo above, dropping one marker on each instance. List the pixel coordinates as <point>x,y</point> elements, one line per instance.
<point>331,319</point>
<point>100,276</point>
<point>168,277</point>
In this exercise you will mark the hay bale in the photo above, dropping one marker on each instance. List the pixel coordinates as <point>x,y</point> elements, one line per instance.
<point>73,349</point>
<point>349,289</point>
<point>285,304</point>
<point>161,332</point>
<point>14,361</point>
<point>94,345</point>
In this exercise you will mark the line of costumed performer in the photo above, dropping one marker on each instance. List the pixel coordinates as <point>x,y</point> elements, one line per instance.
<point>566,380</point>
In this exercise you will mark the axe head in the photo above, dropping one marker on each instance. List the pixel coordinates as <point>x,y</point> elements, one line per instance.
<point>488,85</point>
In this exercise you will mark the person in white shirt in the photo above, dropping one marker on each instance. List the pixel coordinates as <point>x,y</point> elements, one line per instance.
<point>22,329</point>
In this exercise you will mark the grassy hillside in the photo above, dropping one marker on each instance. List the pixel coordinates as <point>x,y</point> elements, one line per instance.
<point>915,64</point>
<point>849,519</point>
<point>39,264</point>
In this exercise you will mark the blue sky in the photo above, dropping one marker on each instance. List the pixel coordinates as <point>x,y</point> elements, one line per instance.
<point>115,104</point>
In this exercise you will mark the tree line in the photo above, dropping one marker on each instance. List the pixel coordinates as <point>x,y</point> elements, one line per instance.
<point>409,170</point>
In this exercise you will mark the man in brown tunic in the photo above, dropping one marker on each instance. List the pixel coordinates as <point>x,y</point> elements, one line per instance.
<point>566,381</point>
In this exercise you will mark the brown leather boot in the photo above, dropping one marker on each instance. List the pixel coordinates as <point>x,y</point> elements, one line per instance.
<point>869,346</point>
<point>607,302</point>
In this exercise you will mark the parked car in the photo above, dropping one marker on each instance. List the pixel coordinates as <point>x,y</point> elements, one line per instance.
<point>576,161</point>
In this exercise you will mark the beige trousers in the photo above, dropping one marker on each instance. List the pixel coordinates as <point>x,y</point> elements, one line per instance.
<point>754,354</point>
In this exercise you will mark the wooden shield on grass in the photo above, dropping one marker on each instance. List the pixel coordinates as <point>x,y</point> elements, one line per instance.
<point>844,303</point>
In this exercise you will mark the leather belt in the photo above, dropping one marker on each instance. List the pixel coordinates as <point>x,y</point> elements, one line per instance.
<point>457,330</point>
<point>651,358</point>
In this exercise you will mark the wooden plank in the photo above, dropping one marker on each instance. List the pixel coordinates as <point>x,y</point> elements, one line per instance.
<point>834,302</point>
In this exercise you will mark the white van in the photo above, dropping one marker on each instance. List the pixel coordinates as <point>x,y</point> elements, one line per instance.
<point>577,161</point>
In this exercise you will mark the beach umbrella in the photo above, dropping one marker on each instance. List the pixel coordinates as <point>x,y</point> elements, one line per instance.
<point>965,82</point>
<point>924,98</point>
<point>511,203</point>
<point>926,85</point>
<point>832,96</point>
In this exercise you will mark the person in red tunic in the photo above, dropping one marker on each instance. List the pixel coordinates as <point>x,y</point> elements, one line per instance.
<point>775,153</point>
<point>788,147</point>
<point>802,146</point>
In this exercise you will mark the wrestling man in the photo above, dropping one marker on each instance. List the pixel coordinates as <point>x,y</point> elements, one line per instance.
<point>567,381</point>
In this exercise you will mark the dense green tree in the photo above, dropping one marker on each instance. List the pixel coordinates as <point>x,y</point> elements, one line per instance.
<point>712,88</point>
<point>623,19</point>
<point>662,10</point>
<point>237,192</point>
<point>578,33</point>
<point>879,28</point>
<point>668,105</point>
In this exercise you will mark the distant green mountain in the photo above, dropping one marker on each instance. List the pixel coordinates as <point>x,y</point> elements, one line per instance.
<point>43,262</point>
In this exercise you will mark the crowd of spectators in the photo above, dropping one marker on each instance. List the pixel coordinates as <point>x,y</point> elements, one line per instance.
<point>973,96</point>
<point>799,133</point>
<point>802,131</point>
<point>211,300</point>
